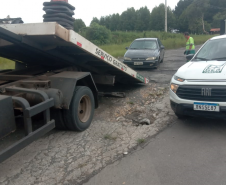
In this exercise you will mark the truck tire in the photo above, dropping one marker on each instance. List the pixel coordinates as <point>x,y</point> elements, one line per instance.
<point>56,114</point>
<point>81,110</point>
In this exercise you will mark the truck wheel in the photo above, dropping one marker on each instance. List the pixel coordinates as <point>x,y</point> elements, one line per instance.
<point>81,110</point>
<point>56,114</point>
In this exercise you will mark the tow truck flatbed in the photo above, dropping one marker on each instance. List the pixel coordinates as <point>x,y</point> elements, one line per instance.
<point>62,47</point>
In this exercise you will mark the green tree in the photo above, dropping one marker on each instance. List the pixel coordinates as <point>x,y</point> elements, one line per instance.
<point>181,21</point>
<point>115,22</point>
<point>217,19</point>
<point>157,18</point>
<point>215,7</point>
<point>181,6</point>
<point>108,20</point>
<point>98,34</point>
<point>142,19</point>
<point>102,21</point>
<point>78,25</point>
<point>96,20</point>
<point>127,20</point>
<point>194,16</point>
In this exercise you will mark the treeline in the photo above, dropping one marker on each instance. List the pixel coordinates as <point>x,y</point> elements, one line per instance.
<point>194,16</point>
<point>199,16</point>
<point>134,20</point>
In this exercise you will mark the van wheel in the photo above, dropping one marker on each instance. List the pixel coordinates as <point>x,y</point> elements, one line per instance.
<point>81,110</point>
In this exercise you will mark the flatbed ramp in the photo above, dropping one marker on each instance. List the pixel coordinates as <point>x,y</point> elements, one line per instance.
<point>51,45</point>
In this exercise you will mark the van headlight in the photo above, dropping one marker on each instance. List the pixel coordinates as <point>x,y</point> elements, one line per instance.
<point>178,79</point>
<point>126,58</point>
<point>151,58</point>
<point>174,87</point>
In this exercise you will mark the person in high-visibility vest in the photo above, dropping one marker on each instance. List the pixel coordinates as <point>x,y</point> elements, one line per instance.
<point>190,44</point>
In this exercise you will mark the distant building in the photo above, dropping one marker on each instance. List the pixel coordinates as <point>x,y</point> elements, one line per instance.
<point>215,31</point>
<point>175,31</point>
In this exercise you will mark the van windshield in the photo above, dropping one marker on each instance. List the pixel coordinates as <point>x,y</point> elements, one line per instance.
<point>212,50</point>
<point>143,44</point>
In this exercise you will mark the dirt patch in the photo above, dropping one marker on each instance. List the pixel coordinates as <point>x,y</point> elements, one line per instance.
<point>136,106</point>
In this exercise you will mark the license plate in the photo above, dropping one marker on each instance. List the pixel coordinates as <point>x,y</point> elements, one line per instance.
<point>138,63</point>
<point>214,107</point>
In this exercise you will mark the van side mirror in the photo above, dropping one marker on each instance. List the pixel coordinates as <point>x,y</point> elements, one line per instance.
<point>162,47</point>
<point>190,56</point>
<point>127,48</point>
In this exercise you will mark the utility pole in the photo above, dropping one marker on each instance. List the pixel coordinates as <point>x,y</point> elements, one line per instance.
<point>165,15</point>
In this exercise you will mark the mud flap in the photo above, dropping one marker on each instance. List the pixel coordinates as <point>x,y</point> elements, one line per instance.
<point>7,121</point>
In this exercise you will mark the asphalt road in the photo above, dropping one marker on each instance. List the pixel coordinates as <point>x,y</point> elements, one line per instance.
<point>190,151</point>
<point>173,60</point>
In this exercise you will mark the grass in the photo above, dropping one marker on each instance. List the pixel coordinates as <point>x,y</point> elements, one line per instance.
<point>130,102</point>
<point>140,141</point>
<point>82,165</point>
<point>6,64</point>
<point>109,137</point>
<point>169,40</point>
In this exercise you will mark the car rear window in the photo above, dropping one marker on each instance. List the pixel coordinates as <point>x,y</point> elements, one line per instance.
<point>143,44</point>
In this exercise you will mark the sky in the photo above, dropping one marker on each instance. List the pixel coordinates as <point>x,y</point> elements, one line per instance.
<point>31,10</point>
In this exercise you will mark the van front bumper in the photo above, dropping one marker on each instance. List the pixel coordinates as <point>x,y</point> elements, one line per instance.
<point>185,107</point>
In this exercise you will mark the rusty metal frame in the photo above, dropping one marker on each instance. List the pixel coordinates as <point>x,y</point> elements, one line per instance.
<point>28,112</point>
<point>7,153</point>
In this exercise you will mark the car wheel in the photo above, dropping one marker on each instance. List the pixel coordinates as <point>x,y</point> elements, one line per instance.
<point>157,64</point>
<point>162,60</point>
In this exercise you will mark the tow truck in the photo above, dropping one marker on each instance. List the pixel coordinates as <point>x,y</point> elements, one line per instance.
<point>55,81</point>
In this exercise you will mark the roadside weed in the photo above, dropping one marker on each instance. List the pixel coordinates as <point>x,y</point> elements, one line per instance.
<point>140,141</point>
<point>109,137</point>
<point>130,102</point>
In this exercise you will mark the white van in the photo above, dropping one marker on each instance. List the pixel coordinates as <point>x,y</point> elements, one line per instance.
<point>198,88</point>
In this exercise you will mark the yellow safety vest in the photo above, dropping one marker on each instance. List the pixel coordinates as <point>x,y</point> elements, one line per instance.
<point>190,42</point>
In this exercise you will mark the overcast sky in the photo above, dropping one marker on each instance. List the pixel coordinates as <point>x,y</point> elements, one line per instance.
<point>31,10</point>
